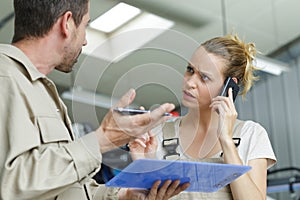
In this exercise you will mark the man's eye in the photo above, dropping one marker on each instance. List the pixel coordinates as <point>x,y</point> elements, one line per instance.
<point>189,69</point>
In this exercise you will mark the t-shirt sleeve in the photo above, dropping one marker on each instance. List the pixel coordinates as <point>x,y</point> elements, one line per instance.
<point>259,145</point>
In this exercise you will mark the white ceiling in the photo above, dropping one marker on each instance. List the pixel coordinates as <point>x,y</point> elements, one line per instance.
<point>156,69</point>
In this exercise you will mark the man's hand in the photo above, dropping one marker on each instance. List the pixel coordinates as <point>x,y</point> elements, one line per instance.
<point>117,129</point>
<point>166,191</point>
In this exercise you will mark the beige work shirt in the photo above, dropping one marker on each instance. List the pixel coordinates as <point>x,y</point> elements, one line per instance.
<point>40,158</point>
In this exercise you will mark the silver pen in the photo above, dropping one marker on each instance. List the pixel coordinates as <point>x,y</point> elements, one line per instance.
<point>131,111</point>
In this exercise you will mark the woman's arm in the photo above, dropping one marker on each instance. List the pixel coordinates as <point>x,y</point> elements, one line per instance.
<point>251,185</point>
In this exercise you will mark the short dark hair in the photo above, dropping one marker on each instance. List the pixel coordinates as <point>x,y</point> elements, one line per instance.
<point>35,18</point>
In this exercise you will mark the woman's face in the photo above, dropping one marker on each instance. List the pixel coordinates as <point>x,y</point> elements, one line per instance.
<point>203,79</point>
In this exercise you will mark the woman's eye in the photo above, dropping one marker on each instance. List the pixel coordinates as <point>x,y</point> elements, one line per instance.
<point>189,69</point>
<point>204,77</point>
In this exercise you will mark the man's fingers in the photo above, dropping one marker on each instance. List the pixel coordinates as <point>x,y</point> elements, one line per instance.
<point>161,110</point>
<point>154,117</point>
<point>126,99</point>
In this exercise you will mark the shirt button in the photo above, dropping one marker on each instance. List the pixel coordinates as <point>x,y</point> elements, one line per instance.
<point>57,110</point>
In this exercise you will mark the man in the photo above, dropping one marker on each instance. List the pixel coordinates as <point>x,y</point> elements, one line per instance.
<point>39,157</point>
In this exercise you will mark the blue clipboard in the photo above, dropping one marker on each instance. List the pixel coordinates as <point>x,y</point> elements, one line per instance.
<point>203,176</point>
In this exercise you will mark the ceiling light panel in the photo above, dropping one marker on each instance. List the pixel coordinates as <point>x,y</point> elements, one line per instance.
<point>115,17</point>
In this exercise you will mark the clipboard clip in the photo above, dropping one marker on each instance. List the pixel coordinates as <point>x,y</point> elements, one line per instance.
<point>170,145</point>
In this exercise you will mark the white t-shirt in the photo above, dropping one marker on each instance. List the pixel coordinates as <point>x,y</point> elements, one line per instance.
<point>254,142</point>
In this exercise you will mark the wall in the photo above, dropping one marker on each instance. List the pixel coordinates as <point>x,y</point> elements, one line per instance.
<point>274,102</point>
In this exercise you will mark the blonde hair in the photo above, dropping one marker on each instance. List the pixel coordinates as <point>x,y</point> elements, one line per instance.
<point>238,56</point>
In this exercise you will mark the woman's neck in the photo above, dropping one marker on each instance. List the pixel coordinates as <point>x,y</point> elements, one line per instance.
<point>198,133</point>
<point>200,119</point>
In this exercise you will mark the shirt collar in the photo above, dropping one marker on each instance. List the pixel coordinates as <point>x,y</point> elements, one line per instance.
<point>16,54</point>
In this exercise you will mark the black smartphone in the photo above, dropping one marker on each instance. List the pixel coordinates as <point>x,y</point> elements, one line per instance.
<point>229,83</point>
<point>130,111</point>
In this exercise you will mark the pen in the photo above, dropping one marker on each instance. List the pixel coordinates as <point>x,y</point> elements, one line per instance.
<point>130,111</point>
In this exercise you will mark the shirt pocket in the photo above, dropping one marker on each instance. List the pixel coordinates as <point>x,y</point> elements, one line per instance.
<point>52,130</point>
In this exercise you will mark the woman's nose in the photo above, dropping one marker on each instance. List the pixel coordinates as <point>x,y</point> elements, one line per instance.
<point>191,81</point>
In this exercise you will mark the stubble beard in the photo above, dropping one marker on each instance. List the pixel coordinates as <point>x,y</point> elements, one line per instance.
<point>68,62</point>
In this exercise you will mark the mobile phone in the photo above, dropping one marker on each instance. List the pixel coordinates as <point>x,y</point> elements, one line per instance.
<point>131,111</point>
<point>229,83</point>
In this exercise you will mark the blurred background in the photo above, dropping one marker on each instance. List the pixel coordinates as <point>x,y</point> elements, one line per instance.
<point>149,52</point>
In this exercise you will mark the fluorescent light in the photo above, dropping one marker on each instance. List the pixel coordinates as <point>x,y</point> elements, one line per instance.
<point>115,17</point>
<point>90,98</point>
<point>271,66</point>
<point>127,39</point>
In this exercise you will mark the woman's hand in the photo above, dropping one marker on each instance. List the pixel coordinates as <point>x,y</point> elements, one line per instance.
<point>166,191</point>
<point>144,147</point>
<point>224,106</point>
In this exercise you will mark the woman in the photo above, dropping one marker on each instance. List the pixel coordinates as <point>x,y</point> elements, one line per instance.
<point>210,131</point>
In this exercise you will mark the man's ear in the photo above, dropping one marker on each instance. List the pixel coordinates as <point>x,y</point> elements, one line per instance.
<point>67,23</point>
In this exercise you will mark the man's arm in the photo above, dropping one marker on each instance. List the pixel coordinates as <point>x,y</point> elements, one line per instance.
<point>37,157</point>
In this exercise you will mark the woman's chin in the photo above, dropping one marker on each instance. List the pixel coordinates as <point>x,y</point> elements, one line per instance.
<point>189,104</point>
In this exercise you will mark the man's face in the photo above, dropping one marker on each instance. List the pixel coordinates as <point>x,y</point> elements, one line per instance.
<point>73,49</point>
